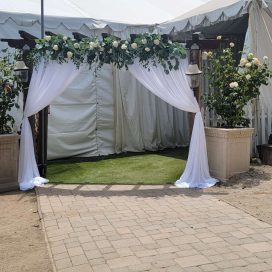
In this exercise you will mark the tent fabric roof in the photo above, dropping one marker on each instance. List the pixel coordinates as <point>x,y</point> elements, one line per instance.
<point>75,14</point>
<point>205,15</point>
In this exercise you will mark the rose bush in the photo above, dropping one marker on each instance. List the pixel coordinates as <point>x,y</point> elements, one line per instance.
<point>9,91</point>
<point>233,86</point>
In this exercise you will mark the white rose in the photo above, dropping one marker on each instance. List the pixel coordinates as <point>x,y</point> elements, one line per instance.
<point>147,49</point>
<point>243,62</point>
<point>219,37</point>
<point>205,55</point>
<point>248,77</point>
<point>144,41</point>
<point>256,61</point>
<point>248,65</point>
<point>69,54</point>
<point>234,85</point>
<point>250,56</point>
<point>134,45</point>
<point>231,44</point>
<point>210,54</point>
<point>64,38</point>
<point>47,38</point>
<point>115,44</point>
<point>156,41</point>
<point>170,42</point>
<point>92,44</point>
<point>265,58</point>
<point>124,47</point>
<point>76,45</point>
<point>55,47</point>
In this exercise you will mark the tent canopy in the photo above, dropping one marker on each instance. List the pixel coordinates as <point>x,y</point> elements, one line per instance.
<point>207,14</point>
<point>77,14</point>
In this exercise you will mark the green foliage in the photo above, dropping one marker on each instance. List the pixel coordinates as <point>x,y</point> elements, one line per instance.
<point>9,91</point>
<point>232,87</point>
<point>148,48</point>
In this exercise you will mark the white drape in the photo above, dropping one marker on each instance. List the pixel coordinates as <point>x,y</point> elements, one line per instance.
<point>174,89</point>
<point>48,81</point>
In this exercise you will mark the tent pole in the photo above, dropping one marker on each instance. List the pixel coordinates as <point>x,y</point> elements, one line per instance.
<point>42,19</point>
<point>43,121</point>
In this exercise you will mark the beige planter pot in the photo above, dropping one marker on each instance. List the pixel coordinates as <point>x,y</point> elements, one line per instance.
<point>9,150</point>
<point>228,151</point>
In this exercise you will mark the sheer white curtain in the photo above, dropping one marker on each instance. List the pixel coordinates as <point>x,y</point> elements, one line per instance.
<point>174,89</point>
<point>48,81</point>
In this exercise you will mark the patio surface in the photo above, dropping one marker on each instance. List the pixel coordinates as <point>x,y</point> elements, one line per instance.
<point>150,228</point>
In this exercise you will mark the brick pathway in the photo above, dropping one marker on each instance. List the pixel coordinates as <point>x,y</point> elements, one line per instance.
<point>143,228</point>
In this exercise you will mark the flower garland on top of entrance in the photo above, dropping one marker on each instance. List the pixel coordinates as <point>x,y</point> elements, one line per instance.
<point>148,48</point>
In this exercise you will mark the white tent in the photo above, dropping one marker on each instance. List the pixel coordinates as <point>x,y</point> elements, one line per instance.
<point>110,112</point>
<point>252,19</point>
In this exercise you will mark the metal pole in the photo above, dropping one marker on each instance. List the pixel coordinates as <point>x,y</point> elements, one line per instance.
<point>42,158</point>
<point>42,19</point>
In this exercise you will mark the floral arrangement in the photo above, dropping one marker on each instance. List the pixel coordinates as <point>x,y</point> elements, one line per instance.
<point>233,86</point>
<point>9,91</point>
<point>146,47</point>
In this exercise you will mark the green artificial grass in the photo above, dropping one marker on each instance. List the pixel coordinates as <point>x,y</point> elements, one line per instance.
<point>163,167</point>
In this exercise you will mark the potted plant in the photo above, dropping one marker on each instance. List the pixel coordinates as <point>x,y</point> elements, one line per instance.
<point>9,140</point>
<point>232,87</point>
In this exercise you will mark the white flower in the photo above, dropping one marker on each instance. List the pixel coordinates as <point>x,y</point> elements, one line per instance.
<point>243,62</point>
<point>265,58</point>
<point>248,65</point>
<point>250,56</point>
<point>64,38</point>
<point>234,85</point>
<point>92,44</point>
<point>47,38</point>
<point>256,61</point>
<point>205,55</point>
<point>76,45</point>
<point>248,77</point>
<point>156,41</point>
<point>69,54</point>
<point>38,46</point>
<point>147,49</point>
<point>56,47</point>
<point>219,37</point>
<point>170,42</point>
<point>144,41</point>
<point>124,47</point>
<point>231,44</point>
<point>134,45</point>
<point>115,44</point>
<point>210,54</point>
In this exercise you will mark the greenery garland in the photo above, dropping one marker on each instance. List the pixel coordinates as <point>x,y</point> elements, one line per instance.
<point>148,48</point>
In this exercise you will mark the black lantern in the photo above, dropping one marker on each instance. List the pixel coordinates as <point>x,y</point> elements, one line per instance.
<point>194,74</point>
<point>21,71</point>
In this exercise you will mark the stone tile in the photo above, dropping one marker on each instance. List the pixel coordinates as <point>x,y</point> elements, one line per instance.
<point>258,247</point>
<point>194,260</point>
<point>151,228</point>
<point>123,262</point>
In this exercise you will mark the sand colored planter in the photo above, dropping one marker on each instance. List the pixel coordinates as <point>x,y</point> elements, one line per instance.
<point>9,149</point>
<point>228,151</point>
